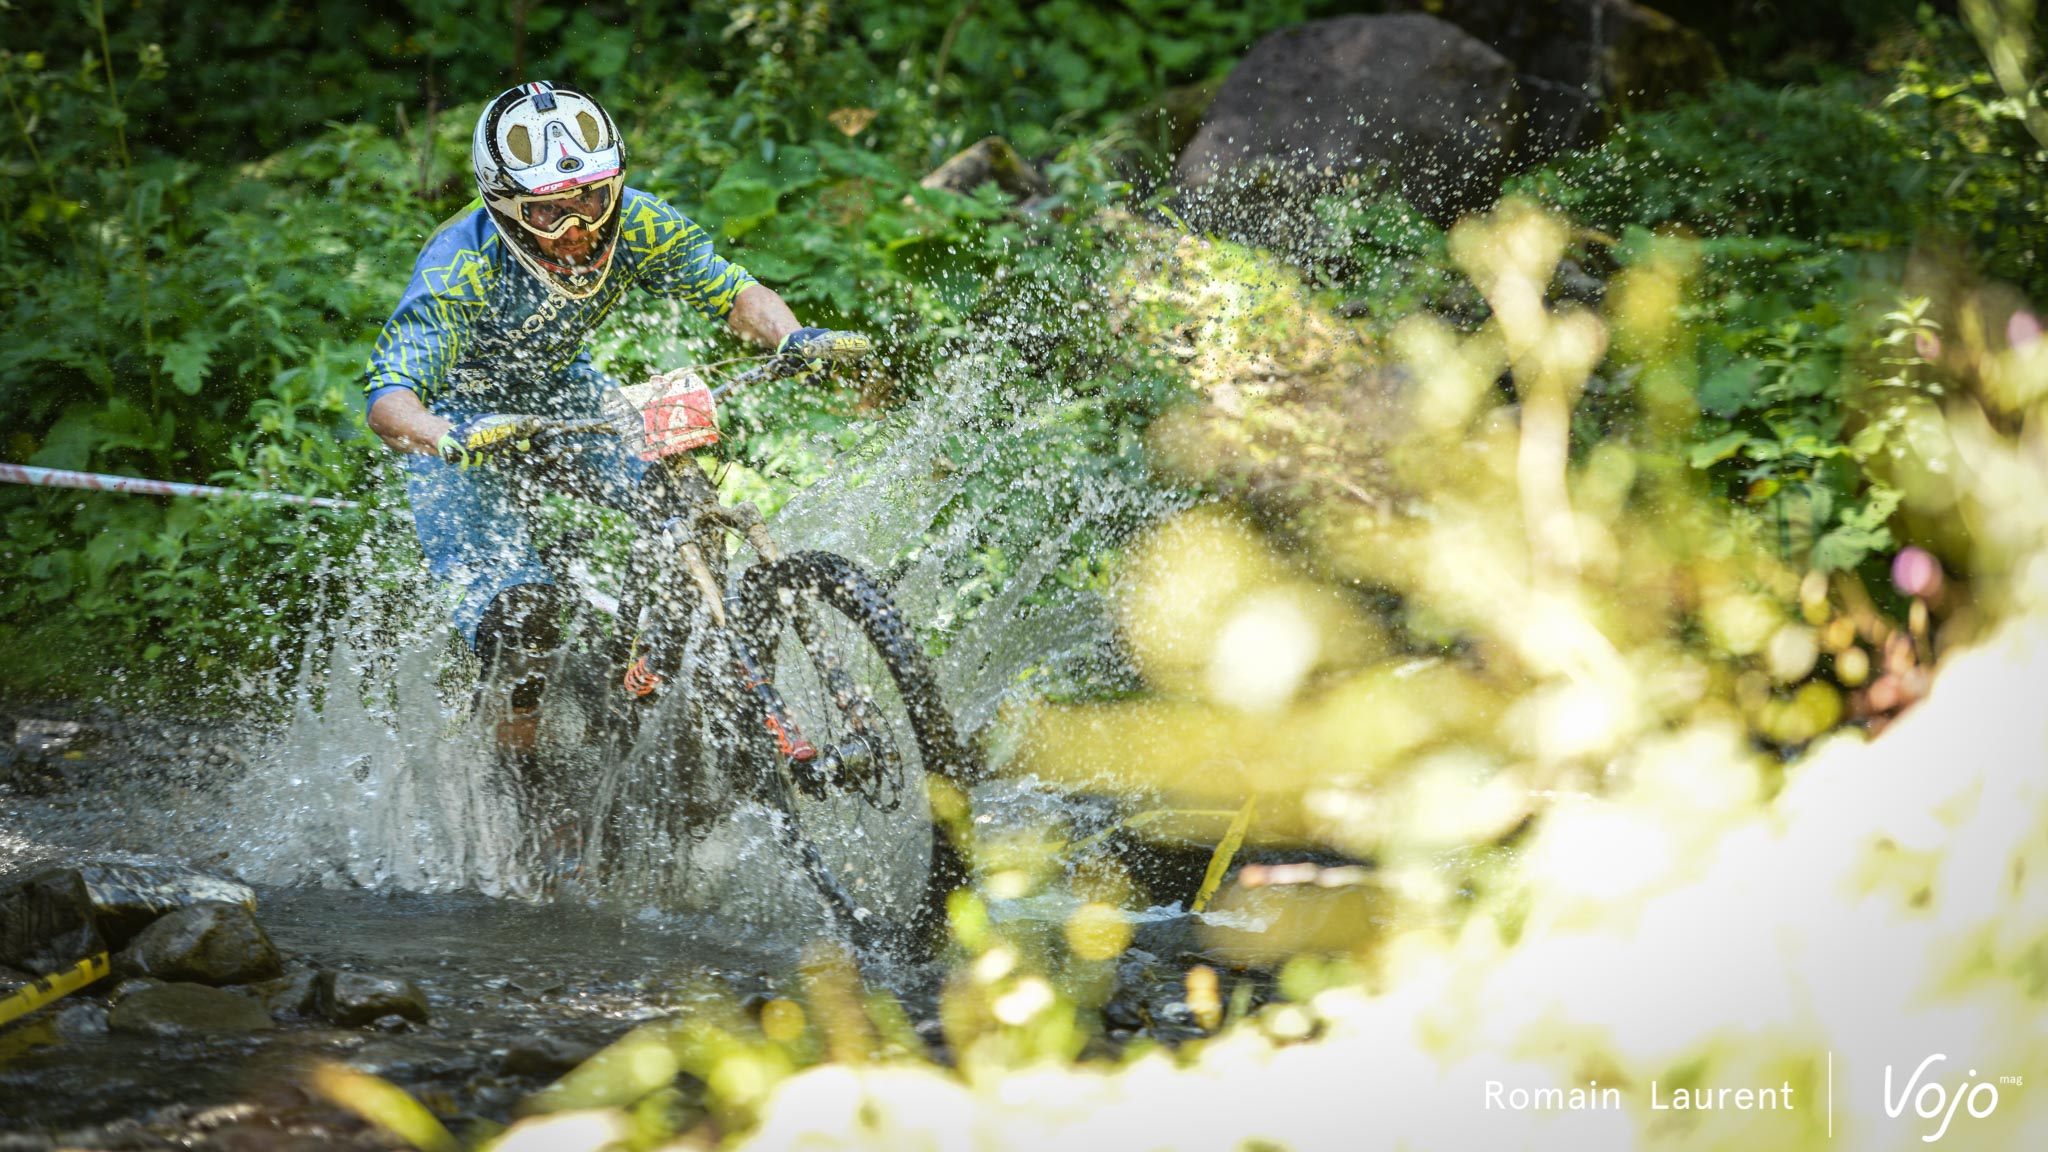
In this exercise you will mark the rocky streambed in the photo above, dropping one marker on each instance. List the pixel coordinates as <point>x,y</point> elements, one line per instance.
<point>221,993</point>
<point>470,1003</point>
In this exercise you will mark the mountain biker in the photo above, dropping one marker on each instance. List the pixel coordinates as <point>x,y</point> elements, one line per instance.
<point>495,320</point>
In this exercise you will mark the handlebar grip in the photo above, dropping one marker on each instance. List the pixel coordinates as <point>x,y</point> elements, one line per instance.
<point>845,347</point>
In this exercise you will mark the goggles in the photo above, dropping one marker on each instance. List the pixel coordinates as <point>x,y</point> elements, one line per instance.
<point>550,216</point>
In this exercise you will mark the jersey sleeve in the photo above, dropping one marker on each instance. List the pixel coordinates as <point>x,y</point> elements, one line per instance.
<point>676,260</point>
<point>428,330</point>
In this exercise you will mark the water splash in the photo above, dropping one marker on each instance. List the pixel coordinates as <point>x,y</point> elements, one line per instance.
<point>384,776</point>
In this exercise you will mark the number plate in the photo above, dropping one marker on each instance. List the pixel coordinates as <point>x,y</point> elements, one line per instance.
<point>676,414</point>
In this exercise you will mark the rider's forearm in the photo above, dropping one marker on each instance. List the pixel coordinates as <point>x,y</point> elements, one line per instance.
<point>404,424</point>
<point>761,316</point>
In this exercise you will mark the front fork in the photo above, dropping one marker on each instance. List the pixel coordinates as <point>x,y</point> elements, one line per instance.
<point>814,767</point>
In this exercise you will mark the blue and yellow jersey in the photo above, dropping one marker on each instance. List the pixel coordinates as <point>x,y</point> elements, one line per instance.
<point>473,325</point>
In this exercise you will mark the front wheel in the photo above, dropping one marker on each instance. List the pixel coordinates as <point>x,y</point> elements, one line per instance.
<point>861,691</point>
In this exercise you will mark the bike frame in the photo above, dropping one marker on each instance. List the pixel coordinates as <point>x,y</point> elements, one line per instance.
<point>813,769</point>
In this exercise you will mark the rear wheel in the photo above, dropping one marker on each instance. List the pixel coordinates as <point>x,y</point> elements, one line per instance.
<point>861,691</point>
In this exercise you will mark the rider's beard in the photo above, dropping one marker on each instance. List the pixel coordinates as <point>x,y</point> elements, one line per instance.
<point>573,248</point>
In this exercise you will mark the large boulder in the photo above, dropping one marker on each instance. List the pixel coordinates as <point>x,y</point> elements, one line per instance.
<point>1408,99</point>
<point>176,1009</point>
<point>128,897</point>
<point>47,923</point>
<point>208,943</point>
<point>1578,60</point>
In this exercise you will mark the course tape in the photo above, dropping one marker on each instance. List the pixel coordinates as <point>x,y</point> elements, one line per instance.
<point>101,482</point>
<point>44,989</point>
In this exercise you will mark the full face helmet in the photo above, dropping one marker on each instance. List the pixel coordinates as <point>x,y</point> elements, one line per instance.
<point>551,168</point>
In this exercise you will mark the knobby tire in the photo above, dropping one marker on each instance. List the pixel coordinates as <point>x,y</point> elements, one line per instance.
<point>770,596</point>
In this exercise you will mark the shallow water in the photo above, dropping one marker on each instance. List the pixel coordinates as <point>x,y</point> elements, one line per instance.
<point>497,974</point>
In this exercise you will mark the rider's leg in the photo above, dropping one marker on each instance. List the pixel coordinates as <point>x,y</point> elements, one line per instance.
<point>475,534</point>
<point>519,641</point>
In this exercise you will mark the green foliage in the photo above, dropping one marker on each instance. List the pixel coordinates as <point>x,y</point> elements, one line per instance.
<point>166,323</point>
<point>1803,205</point>
<point>192,278</point>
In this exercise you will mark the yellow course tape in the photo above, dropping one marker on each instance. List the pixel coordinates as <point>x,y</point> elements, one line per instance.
<point>1219,861</point>
<point>45,989</point>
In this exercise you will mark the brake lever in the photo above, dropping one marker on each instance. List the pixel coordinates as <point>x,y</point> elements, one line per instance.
<point>784,365</point>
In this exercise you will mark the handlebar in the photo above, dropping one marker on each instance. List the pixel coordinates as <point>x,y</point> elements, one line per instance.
<point>835,348</point>
<point>840,348</point>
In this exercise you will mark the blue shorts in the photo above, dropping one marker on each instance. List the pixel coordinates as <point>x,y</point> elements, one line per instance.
<point>475,526</point>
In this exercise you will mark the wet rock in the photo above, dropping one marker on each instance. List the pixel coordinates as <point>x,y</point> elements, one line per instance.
<point>1123,1014</point>
<point>46,922</point>
<point>991,159</point>
<point>1139,979</point>
<point>130,987</point>
<point>12,978</point>
<point>129,897</point>
<point>534,987</point>
<point>49,737</point>
<point>1407,99</point>
<point>176,1009</point>
<point>210,943</point>
<point>544,1056</point>
<point>85,1018</point>
<point>353,999</point>
<point>292,996</point>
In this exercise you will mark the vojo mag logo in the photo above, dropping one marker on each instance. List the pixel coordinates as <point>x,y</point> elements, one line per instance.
<point>1935,1101</point>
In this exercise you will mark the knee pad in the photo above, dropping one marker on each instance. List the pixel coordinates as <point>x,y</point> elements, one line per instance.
<point>520,634</point>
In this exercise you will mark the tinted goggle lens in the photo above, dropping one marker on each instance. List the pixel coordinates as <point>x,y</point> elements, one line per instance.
<point>547,215</point>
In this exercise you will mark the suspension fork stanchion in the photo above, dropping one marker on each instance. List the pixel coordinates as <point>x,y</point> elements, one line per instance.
<point>851,917</point>
<point>788,739</point>
<point>747,518</point>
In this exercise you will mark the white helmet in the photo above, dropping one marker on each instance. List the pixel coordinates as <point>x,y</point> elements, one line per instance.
<point>549,159</point>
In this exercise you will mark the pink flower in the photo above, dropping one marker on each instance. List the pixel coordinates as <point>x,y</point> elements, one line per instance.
<point>1916,572</point>
<point>2023,331</point>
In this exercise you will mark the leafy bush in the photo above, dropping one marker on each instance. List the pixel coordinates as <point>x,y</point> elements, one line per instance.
<point>173,316</point>
<point>1803,206</point>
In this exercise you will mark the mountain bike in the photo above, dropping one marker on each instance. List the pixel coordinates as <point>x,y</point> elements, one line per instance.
<point>833,702</point>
